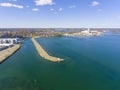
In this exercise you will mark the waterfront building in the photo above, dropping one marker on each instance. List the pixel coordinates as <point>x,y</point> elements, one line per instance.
<point>8,41</point>
<point>86,31</point>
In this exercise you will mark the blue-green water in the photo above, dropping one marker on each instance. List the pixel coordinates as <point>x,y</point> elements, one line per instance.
<point>91,63</point>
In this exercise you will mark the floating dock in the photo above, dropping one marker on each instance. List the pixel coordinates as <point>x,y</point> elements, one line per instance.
<point>8,52</point>
<point>43,53</point>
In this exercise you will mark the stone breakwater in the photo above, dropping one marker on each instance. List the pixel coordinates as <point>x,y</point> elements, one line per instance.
<point>8,52</point>
<point>43,53</point>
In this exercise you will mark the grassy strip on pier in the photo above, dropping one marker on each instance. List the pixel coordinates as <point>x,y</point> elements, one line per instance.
<point>8,52</point>
<point>43,53</point>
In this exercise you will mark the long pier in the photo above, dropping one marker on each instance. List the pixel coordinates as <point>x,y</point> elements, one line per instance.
<point>43,53</point>
<point>8,52</point>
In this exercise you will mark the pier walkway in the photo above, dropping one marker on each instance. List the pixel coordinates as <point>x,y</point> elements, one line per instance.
<point>8,52</point>
<point>43,53</point>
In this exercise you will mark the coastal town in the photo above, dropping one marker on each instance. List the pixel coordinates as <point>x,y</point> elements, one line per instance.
<point>59,45</point>
<point>11,40</point>
<point>84,33</point>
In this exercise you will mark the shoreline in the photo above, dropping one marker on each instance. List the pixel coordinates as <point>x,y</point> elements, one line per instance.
<point>43,53</point>
<point>8,52</point>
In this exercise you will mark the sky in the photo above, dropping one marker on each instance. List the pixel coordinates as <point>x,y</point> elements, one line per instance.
<point>59,13</point>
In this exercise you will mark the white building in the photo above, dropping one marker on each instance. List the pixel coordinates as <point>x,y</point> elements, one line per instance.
<point>86,31</point>
<point>8,41</point>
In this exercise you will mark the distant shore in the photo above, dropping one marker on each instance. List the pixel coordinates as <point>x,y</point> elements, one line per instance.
<point>8,52</point>
<point>43,53</point>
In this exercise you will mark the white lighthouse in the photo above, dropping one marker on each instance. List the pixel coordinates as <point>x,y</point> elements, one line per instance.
<point>88,30</point>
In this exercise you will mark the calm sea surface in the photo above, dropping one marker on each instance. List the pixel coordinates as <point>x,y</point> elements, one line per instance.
<point>91,63</point>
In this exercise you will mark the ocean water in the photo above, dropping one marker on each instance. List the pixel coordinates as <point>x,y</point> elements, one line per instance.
<point>90,63</point>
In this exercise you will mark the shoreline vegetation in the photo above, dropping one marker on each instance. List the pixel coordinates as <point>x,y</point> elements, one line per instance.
<point>8,52</point>
<point>43,53</point>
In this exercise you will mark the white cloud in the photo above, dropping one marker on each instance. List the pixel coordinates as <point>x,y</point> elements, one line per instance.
<point>10,5</point>
<point>95,3</point>
<point>60,9</point>
<point>43,2</point>
<point>13,0</point>
<point>51,9</point>
<point>72,6</point>
<point>35,9</point>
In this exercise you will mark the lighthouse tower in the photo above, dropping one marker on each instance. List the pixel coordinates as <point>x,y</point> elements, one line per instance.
<point>88,30</point>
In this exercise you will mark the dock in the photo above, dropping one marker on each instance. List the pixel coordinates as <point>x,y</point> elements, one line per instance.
<point>43,53</point>
<point>4,54</point>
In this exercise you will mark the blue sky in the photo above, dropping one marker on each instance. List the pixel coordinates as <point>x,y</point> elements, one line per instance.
<point>59,13</point>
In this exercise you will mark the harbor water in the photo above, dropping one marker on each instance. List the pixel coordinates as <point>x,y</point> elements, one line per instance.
<point>90,63</point>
